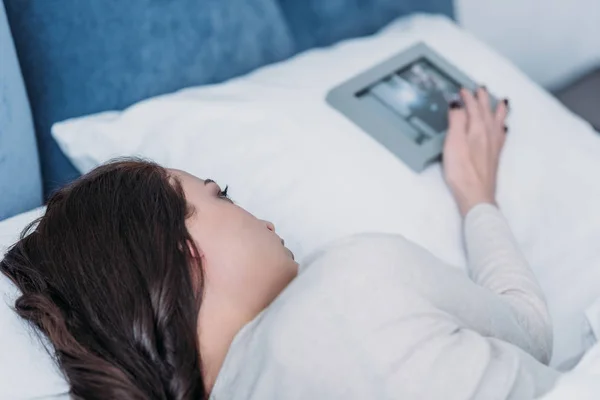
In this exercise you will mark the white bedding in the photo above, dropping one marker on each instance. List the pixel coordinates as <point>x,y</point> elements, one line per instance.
<point>583,383</point>
<point>26,369</point>
<point>289,157</point>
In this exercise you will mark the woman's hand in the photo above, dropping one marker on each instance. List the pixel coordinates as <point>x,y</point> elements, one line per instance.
<point>475,138</point>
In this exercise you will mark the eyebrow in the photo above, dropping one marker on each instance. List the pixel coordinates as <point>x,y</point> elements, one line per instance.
<point>207,181</point>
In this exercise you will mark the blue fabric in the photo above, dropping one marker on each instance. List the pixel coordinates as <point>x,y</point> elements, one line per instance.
<point>315,23</point>
<point>85,56</point>
<point>20,181</point>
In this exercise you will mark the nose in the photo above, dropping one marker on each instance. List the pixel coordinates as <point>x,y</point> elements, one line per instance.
<point>270,226</point>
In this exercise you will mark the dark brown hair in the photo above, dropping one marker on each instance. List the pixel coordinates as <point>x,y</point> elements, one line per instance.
<point>107,275</point>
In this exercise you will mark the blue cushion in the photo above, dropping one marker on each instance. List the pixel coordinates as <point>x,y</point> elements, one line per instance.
<point>323,22</point>
<point>81,57</point>
<point>20,181</point>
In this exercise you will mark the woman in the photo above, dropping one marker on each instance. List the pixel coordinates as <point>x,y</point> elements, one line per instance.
<point>152,284</point>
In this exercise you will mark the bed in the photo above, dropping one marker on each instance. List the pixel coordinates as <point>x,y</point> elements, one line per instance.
<point>261,125</point>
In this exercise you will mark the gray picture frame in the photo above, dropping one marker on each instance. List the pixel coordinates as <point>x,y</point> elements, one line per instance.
<point>383,124</point>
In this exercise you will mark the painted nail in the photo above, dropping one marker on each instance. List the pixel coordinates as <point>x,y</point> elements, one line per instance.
<point>505,129</point>
<point>506,103</point>
<point>454,104</point>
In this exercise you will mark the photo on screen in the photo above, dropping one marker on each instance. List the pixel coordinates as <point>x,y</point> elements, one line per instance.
<point>420,93</point>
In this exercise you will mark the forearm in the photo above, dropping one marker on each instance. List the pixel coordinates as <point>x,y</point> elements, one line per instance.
<point>497,264</point>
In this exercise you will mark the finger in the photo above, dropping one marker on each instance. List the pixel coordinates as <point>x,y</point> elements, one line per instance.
<point>472,107</point>
<point>457,118</point>
<point>502,137</point>
<point>457,122</point>
<point>485,107</point>
<point>501,112</point>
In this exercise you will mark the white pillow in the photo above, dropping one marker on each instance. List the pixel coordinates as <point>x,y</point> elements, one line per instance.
<point>26,369</point>
<point>291,158</point>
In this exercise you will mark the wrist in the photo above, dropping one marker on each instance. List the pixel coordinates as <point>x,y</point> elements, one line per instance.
<point>467,203</point>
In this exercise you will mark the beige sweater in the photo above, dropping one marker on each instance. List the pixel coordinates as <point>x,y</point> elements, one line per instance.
<point>377,317</point>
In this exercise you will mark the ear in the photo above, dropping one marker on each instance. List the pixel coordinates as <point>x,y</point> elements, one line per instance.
<point>198,261</point>
<point>194,250</point>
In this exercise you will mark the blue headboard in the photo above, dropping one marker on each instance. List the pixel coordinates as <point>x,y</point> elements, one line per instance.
<point>316,23</point>
<point>20,181</point>
<point>81,57</point>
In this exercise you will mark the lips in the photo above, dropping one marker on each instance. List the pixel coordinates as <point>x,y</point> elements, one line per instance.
<point>291,254</point>
<point>289,251</point>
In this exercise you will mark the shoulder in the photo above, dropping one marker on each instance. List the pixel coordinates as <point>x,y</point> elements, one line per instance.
<point>364,245</point>
<point>369,257</point>
<point>351,284</point>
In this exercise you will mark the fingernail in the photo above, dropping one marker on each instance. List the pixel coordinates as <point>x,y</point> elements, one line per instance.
<point>483,87</point>
<point>505,129</point>
<point>506,103</point>
<point>454,104</point>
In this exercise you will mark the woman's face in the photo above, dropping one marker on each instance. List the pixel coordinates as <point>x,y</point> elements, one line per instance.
<point>244,260</point>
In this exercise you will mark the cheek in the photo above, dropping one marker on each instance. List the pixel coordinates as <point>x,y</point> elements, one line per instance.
<point>249,265</point>
<point>240,255</point>
<point>222,237</point>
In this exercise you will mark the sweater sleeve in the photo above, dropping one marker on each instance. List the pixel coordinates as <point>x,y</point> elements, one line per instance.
<point>497,264</point>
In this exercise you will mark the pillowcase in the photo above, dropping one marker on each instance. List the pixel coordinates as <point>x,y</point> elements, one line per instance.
<point>26,369</point>
<point>291,158</point>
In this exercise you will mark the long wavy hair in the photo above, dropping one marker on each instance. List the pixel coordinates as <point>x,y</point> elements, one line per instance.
<point>108,275</point>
